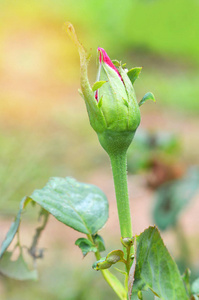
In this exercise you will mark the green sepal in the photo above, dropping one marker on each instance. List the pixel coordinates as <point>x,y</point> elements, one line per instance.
<point>115,142</point>
<point>100,102</point>
<point>147,96</point>
<point>96,117</point>
<point>133,108</point>
<point>86,246</point>
<point>134,73</point>
<point>99,242</point>
<point>116,63</point>
<point>98,85</point>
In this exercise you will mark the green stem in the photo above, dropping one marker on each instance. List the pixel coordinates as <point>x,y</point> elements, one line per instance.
<point>128,260</point>
<point>113,282</point>
<point>119,169</point>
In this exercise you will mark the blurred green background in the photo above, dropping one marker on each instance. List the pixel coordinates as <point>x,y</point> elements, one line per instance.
<point>44,129</point>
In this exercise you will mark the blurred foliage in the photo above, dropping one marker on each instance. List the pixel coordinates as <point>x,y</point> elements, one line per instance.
<point>173,197</point>
<point>35,146</point>
<point>163,27</point>
<point>19,166</point>
<point>16,269</point>
<point>161,36</point>
<point>69,283</point>
<point>150,146</point>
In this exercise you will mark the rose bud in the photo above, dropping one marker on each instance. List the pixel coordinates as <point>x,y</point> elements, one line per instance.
<point>111,103</point>
<point>116,99</point>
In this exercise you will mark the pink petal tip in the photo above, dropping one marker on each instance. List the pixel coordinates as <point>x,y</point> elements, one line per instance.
<point>103,56</point>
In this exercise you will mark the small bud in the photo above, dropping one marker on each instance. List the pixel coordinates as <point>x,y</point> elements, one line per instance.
<point>127,242</point>
<point>101,264</point>
<point>115,256</point>
<point>112,258</point>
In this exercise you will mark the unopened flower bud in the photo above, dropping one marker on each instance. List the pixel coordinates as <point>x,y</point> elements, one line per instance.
<point>117,102</point>
<point>111,103</point>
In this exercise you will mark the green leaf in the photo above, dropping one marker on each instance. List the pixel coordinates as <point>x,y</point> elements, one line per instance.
<point>134,73</point>
<point>83,207</point>
<point>98,240</point>
<point>97,85</point>
<point>85,245</point>
<point>16,269</point>
<point>147,96</point>
<point>172,198</point>
<point>155,269</point>
<point>13,228</point>
<point>195,287</point>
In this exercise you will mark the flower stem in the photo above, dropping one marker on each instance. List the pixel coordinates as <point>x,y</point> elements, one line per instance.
<point>119,169</point>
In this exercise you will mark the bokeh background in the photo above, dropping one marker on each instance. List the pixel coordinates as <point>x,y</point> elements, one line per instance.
<point>44,128</point>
